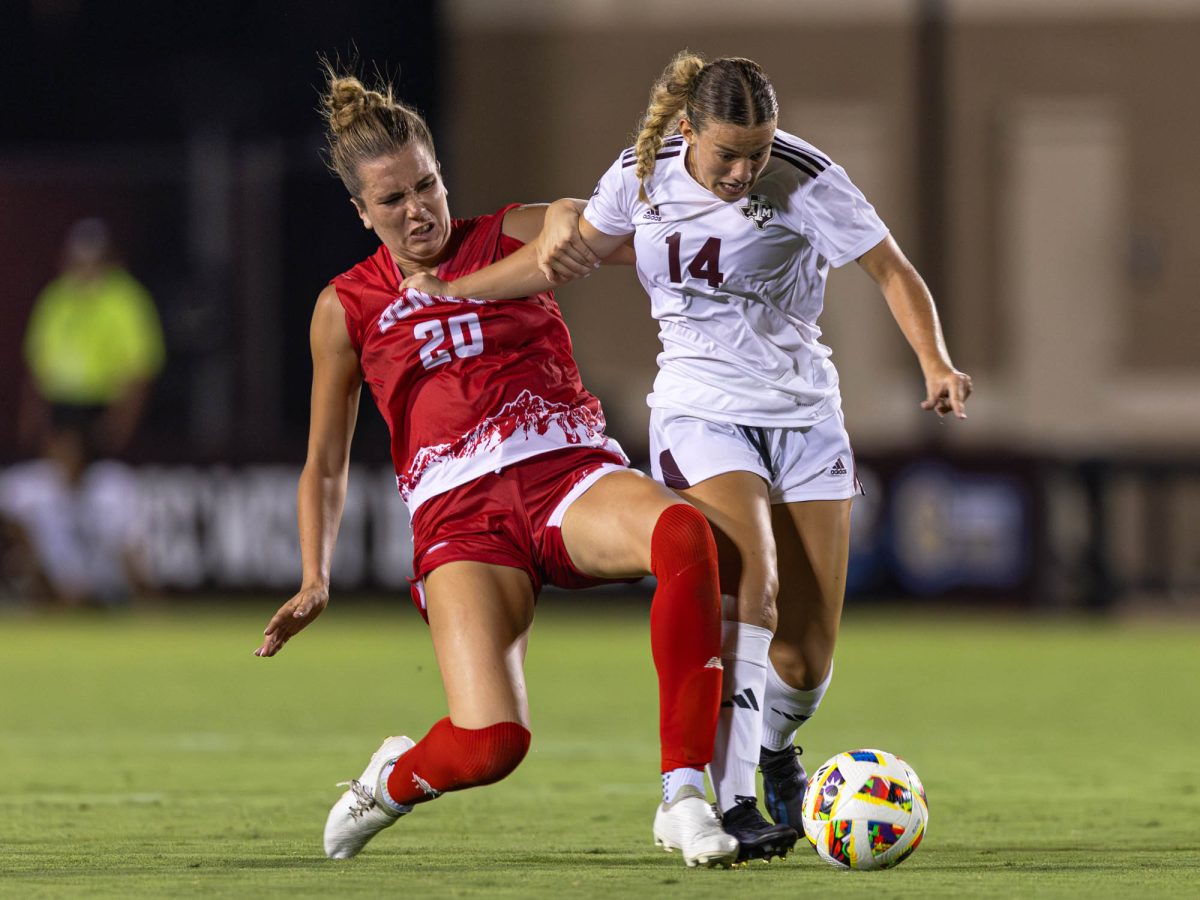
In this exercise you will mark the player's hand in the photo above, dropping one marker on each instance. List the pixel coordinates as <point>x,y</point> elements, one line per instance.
<point>946,391</point>
<point>562,255</point>
<point>292,617</point>
<point>428,284</point>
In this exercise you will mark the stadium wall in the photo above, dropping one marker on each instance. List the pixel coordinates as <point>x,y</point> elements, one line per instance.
<point>1063,256</point>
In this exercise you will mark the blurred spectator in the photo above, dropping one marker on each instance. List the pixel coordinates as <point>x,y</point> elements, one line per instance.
<point>93,346</point>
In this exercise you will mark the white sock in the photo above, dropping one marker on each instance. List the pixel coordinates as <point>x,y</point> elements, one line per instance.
<point>739,728</point>
<point>787,708</point>
<point>381,792</point>
<point>679,778</point>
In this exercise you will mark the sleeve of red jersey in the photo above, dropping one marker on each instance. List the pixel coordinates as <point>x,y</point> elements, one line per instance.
<point>503,244</point>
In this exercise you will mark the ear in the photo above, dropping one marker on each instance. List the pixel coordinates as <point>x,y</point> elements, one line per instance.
<point>442,179</point>
<point>688,132</point>
<point>362,213</point>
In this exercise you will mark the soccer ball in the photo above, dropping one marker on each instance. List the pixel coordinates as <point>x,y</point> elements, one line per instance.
<point>865,809</point>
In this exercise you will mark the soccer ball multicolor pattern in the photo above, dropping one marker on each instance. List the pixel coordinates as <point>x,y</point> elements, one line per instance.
<point>865,809</point>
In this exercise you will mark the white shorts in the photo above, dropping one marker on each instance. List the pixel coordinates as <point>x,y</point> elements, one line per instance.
<point>810,463</point>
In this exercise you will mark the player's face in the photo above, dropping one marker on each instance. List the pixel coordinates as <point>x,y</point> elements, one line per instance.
<point>727,159</point>
<point>404,202</point>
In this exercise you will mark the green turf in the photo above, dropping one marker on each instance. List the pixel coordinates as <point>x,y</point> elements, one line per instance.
<point>153,755</point>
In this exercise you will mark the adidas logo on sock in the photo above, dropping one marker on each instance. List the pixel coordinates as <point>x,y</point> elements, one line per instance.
<point>430,791</point>
<point>838,468</point>
<point>745,699</point>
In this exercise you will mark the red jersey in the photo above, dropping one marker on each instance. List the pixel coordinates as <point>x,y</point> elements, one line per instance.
<point>466,386</point>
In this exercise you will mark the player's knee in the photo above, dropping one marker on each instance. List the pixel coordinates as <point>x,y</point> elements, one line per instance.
<point>681,538</point>
<point>756,599</point>
<point>491,753</point>
<point>804,669</point>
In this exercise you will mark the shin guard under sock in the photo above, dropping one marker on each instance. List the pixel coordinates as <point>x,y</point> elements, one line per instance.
<point>787,708</point>
<point>685,636</point>
<point>739,729</point>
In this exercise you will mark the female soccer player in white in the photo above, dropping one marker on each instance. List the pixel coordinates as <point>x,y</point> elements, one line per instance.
<point>736,224</point>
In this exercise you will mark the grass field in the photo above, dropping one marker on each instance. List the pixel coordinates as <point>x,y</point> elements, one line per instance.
<point>153,755</point>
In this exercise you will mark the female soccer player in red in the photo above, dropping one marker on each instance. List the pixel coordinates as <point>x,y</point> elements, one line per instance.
<point>502,459</point>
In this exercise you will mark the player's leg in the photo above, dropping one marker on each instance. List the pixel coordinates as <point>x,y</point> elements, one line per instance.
<point>725,469</point>
<point>813,537</point>
<point>738,506</point>
<point>626,525</point>
<point>814,541</point>
<point>479,619</point>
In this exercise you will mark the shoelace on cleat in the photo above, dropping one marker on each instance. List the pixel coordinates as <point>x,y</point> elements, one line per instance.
<point>365,798</point>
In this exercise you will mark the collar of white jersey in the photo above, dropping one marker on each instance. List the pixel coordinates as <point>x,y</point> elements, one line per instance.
<point>677,168</point>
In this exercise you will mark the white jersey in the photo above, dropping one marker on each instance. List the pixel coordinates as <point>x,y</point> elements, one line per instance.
<point>737,288</point>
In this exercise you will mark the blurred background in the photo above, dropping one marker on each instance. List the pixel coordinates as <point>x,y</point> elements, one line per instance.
<point>1033,157</point>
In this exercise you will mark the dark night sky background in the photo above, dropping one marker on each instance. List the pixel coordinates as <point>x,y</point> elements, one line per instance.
<point>91,85</point>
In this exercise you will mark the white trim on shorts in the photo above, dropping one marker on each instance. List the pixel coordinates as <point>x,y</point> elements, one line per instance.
<point>581,486</point>
<point>812,462</point>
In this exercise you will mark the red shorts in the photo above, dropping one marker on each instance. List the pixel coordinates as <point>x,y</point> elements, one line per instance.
<point>510,518</point>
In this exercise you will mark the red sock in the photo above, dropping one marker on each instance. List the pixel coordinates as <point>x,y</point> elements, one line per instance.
<point>685,636</point>
<point>450,758</point>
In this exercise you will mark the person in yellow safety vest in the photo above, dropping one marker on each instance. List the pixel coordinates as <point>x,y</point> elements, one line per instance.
<point>93,346</point>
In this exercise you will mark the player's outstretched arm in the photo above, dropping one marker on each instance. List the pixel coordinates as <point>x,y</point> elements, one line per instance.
<point>553,228</point>
<point>566,240</point>
<point>517,275</point>
<point>322,491</point>
<point>912,306</point>
<point>563,253</point>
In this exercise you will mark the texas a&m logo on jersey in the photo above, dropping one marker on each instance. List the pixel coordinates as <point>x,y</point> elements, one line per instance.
<point>758,209</point>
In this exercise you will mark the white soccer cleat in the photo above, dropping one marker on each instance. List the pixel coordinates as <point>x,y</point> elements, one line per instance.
<point>689,825</point>
<point>358,816</point>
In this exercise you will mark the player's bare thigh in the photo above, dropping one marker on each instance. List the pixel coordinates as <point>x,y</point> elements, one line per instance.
<point>607,530</point>
<point>737,505</point>
<point>813,539</point>
<point>479,618</point>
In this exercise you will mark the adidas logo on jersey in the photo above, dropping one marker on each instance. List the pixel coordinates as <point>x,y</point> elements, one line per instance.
<point>652,215</point>
<point>838,468</point>
<point>758,209</point>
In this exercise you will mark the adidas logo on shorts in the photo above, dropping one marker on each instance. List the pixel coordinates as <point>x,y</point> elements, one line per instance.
<point>838,468</point>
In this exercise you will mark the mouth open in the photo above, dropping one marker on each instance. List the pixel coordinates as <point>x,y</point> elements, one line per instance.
<point>422,230</point>
<point>731,188</point>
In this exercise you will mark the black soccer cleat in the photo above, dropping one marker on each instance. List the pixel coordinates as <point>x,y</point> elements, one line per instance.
<point>757,838</point>
<point>784,783</point>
